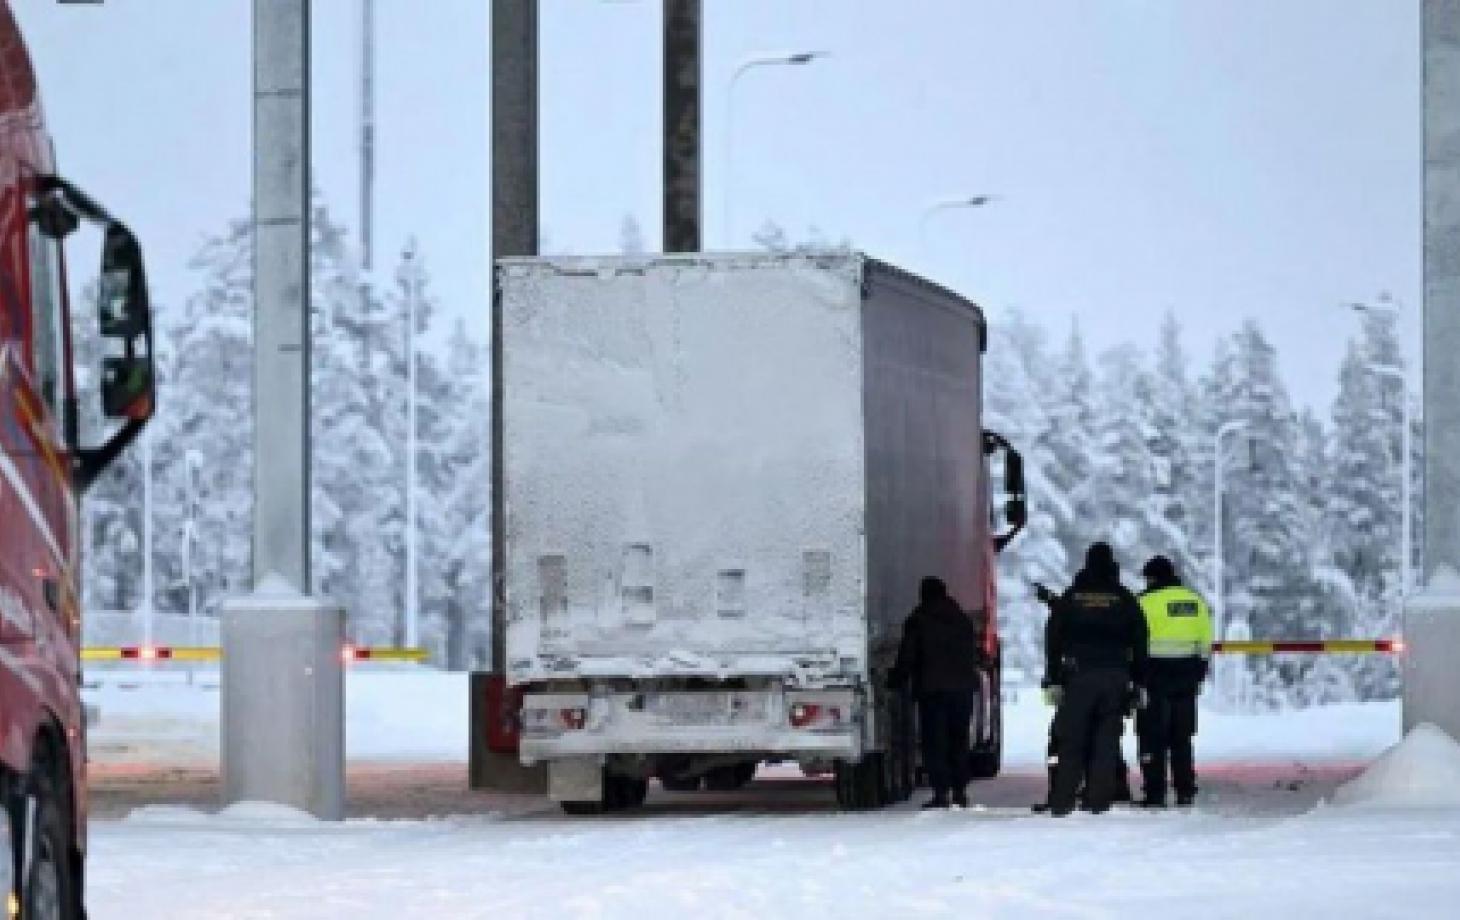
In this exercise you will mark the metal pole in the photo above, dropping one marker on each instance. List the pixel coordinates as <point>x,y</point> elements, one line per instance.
<point>412,609</point>
<point>780,60</point>
<point>147,573</point>
<point>683,165</point>
<point>1219,592</point>
<point>367,132</point>
<point>514,233</point>
<point>972,201</point>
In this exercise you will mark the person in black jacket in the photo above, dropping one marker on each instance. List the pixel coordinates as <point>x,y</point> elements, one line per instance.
<point>1095,652</point>
<point>938,656</point>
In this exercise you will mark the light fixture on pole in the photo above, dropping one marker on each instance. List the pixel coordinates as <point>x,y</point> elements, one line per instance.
<point>947,204</point>
<point>798,59</point>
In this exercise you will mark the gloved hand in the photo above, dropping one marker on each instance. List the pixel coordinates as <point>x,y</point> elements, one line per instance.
<point>1054,694</point>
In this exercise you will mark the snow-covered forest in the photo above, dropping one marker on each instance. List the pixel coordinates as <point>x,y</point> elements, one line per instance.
<point>202,446</point>
<point>1119,446</point>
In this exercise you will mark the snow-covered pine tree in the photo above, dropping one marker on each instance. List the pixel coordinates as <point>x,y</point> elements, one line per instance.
<point>1012,405</point>
<point>1183,495</point>
<point>1071,447</point>
<point>1366,493</point>
<point>1268,563</point>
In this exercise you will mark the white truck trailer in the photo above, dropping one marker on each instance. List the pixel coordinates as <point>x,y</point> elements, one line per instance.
<point>723,478</point>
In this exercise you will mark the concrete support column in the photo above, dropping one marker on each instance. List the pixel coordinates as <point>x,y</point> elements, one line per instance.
<point>283,676</point>
<point>1432,617</point>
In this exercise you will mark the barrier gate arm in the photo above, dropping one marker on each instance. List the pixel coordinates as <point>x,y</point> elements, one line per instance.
<point>149,653</point>
<point>1308,646</point>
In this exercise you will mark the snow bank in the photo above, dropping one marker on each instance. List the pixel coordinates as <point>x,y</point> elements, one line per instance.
<point>241,813</point>
<point>1422,771</point>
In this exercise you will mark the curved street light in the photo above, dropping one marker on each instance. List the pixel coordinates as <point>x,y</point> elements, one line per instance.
<point>947,204</point>
<point>797,59</point>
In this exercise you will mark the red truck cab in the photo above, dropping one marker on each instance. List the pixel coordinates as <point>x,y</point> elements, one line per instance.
<point>44,469</point>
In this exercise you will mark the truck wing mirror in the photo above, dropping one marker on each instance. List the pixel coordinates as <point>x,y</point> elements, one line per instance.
<point>1016,505</point>
<point>128,381</point>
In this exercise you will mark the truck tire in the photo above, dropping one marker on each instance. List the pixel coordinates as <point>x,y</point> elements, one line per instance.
<point>861,786</point>
<point>618,793</point>
<point>49,889</point>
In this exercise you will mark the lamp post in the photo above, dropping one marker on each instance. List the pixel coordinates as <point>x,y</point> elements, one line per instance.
<point>1218,589</point>
<point>1218,592</point>
<point>412,295</point>
<point>799,59</point>
<point>947,204</point>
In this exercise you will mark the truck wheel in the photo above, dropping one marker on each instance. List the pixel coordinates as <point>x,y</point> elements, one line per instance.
<point>49,889</point>
<point>859,786</point>
<point>623,792</point>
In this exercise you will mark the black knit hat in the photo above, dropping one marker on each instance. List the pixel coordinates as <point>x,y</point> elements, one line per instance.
<point>1101,558</point>
<point>1159,568</point>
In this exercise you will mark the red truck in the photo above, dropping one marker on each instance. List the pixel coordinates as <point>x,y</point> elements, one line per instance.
<point>44,469</point>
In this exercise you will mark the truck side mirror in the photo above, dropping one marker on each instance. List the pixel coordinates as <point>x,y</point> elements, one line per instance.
<point>1016,507</point>
<point>127,379</point>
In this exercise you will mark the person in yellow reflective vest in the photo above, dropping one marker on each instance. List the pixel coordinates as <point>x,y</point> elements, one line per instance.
<point>1179,623</point>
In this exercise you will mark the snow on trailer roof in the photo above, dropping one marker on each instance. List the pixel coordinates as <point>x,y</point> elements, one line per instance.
<point>865,269</point>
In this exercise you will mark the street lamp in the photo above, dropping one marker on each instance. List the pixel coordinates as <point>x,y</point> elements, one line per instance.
<point>412,292</point>
<point>1218,592</point>
<point>797,59</point>
<point>947,204</point>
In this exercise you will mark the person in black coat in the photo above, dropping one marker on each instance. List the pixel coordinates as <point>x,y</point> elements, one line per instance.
<point>938,657</point>
<point>1095,653</point>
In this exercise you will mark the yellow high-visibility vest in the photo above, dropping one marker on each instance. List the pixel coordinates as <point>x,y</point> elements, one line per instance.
<point>1179,621</point>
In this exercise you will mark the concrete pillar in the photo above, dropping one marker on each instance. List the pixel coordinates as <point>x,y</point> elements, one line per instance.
<point>683,160</point>
<point>283,677</point>
<point>1432,617</point>
<point>514,233</point>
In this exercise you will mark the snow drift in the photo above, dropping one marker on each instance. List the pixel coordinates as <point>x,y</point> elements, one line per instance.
<point>1422,771</point>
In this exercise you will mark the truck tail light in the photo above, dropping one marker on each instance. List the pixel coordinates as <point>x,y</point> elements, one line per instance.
<point>573,718</point>
<point>811,716</point>
<point>553,718</point>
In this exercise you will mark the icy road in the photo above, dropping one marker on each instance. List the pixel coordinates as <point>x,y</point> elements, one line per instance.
<point>1267,839</point>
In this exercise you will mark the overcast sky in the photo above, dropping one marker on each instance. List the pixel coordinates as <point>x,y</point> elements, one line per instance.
<point>1219,158</point>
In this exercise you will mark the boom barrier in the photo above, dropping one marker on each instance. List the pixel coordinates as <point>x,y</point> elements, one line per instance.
<point>153,653</point>
<point>1307,646</point>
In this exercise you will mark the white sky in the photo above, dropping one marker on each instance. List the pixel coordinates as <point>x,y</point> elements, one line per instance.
<point>1222,158</point>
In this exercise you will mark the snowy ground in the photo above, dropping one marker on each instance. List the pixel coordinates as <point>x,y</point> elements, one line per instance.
<point>1263,840</point>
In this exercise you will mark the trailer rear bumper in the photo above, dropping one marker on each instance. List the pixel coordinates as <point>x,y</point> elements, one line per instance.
<point>822,723</point>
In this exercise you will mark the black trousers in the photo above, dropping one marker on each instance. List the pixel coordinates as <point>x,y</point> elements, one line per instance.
<point>1087,731</point>
<point>943,728</point>
<point>1164,730</point>
<point>1121,790</point>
